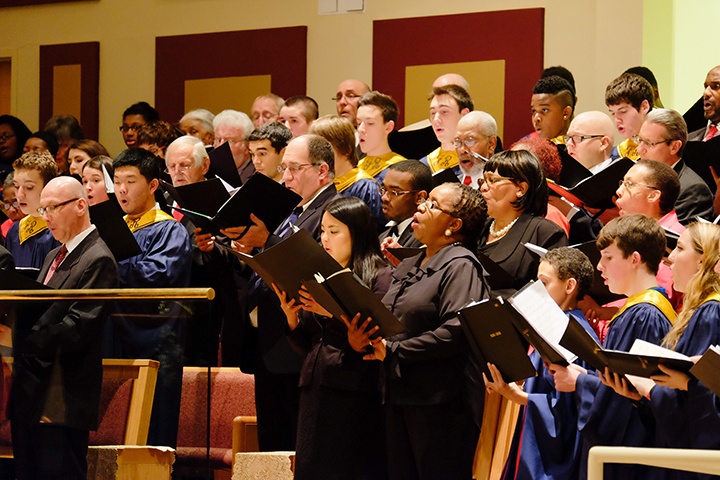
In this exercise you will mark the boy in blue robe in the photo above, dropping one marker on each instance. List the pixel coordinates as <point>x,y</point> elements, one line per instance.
<point>156,329</point>
<point>631,249</point>
<point>29,240</point>
<point>546,443</point>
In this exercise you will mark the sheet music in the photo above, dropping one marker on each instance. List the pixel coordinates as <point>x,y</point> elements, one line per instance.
<point>641,347</point>
<point>541,311</point>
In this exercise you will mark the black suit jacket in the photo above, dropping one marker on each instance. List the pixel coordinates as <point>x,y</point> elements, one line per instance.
<point>275,349</point>
<point>58,356</point>
<point>695,197</point>
<point>406,238</point>
<point>511,254</point>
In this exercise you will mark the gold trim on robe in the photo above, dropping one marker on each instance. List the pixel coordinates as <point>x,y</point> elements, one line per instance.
<point>439,159</point>
<point>148,218</point>
<point>653,297</point>
<point>343,182</point>
<point>376,164</point>
<point>628,149</point>
<point>31,226</point>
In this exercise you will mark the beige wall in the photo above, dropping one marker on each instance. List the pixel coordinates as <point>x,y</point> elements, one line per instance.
<point>585,36</point>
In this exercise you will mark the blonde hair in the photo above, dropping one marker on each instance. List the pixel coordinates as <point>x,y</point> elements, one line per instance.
<point>705,238</point>
<point>340,133</point>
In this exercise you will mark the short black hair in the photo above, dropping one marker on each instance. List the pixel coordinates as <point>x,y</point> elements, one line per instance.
<point>420,173</point>
<point>560,71</point>
<point>555,85</point>
<point>50,140</point>
<point>143,109</point>
<point>664,178</point>
<point>645,73</point>
<point>65,127</point>
<point>21,131</point>
<point>277,133</point>
<point>523,166</point>
<point>145,162</point>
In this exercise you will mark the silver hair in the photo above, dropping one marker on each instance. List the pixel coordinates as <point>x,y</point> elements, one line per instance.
<point>198,149</point>
<point>482,121</point>
<point>201,115</point>
<point>233,118</point>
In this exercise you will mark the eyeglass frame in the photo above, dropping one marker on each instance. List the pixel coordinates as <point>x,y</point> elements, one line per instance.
<point>6,136</point>
<point>296,168</point>
<point>393,193</point>
<point>7,206</point>
<point>639,140</point>
<point>457,143</point>
<point>567,138</point>
<point>348,96</point>
<point>628,184</point>
<point>433,205</point>
<point>494,180</point>
<point>125,128</point>
<point>51,209</point>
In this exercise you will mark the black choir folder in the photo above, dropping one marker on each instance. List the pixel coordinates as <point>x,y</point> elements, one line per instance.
<point>707,369</point>
<point>446,175</point>
<point>290,262</point>
<point>203,197</point>
<point>579,341</point>
<point>260,195</point>
<point>112,228</point>
<point>299,260</point>
<point>700,156</point>
<point>342,293</point>
<point>595,191</point>
<point>222,164</point>
<point>499,332</point>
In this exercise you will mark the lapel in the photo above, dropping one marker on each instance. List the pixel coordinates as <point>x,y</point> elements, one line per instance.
<point>507,245</point>
<point>62,274</point>
<point>406,236</point>
<point>316,204</point>
<point>679,167</point>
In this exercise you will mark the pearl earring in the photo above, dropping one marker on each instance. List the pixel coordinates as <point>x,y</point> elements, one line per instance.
<point>448,232</point>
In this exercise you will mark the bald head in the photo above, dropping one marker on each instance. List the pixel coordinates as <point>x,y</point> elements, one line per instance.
<point>347,98</point>
<point>591,151</point>
<point>451,79</point>
<point>65,205</point>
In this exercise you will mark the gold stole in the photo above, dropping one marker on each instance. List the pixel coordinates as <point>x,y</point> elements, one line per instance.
<point>439,159</point>
<point>148,218</point>
<point>628,149</point>
<point>559,140</point>
<point>374,165</point>
<point>653,297</point>
<point>344,182</point>
<point>31,226</point>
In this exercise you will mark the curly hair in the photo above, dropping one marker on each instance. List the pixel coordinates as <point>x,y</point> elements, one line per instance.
<point>469,206</point>
<point>569,262</point>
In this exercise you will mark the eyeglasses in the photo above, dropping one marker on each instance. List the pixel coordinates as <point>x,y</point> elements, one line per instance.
<point>8,206</point>
<point>293,167</point>
<point>179,167</point>
<point>6,136</point>
<point>348,96</point>
<point>641,141</point>
<point>50,209</point>
<point>125,128</point>
<point>468,142</point>
<point>628,184</point>
<point>433,205</point>
<point>578,139</point>
<point>492,180</point>
<point>393,193</point>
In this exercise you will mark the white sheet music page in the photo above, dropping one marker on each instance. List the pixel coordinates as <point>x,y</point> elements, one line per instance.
<point>641,347</point>
<point>540,310</point>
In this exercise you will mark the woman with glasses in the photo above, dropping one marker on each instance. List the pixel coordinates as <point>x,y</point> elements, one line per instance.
<point>516,193</point>
<point>11,206</point>
<point>430,397</point>
<point>339,432</point>
<point>13,135</point>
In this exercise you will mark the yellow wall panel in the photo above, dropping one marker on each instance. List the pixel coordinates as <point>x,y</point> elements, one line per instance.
<point>66,90</point>
<point>217,94</point>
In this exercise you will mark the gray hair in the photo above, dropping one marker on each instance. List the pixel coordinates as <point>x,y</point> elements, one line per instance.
<point>674,123</point>
<point>203,116</point>
<point>483,122</point>
<point>233,118</point>
<point>199,153</point>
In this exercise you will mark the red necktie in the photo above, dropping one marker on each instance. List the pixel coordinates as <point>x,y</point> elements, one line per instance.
<point>467,180</point>
<point>177,215</point>
<point>711,132</point>
<point>56,263</point>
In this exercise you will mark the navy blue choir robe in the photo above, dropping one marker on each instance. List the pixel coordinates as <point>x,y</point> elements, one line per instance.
<point>606,418</point>
<point>689,419</point>
<point>546,437</point>
<point>157,329</point>
<point>366,189</point>
<point>38,242</point>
